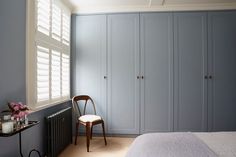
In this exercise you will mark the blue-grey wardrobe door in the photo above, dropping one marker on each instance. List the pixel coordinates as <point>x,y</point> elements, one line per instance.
<point>190,66</point>
<point>157,68</point>
<point>222,87</point>
<point>123,67</point>
<point>89,66</point>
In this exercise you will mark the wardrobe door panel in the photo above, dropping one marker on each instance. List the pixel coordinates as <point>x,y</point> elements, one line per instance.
<point>123,67</point>
<point>157,69</point>
<point>90,62</point>
<point>190,66</point>
<point>222,48</point>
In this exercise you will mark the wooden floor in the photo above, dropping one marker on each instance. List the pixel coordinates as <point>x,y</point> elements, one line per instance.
<point>116,147</point>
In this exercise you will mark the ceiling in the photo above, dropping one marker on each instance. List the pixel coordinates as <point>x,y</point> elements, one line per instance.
<point>101,6</point>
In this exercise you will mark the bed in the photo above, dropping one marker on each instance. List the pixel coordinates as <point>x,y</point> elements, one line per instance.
<point>211,144</point>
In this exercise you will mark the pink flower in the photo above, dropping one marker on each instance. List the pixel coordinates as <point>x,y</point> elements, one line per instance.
<point>19,110</point>
<point>16,108</point>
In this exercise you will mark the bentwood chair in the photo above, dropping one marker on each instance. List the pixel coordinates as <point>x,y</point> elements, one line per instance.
<point>87,120</point>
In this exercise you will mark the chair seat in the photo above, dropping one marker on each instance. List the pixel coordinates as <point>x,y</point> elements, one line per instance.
<point>89,118</point>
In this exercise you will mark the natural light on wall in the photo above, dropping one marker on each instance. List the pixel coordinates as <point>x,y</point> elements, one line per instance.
<point>48,53</point>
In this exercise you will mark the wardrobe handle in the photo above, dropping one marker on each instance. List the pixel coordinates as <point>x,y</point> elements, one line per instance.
<point>210,77</point>
<point>137,77</point>
<point>205,77</point>
<point>105,77</point>
<point>142,77</point>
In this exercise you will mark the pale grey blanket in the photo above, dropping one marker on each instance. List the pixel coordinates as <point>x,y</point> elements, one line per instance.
<point>169,145</point>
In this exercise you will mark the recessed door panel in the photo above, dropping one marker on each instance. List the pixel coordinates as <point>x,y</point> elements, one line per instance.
<point>190,67</point>
<point>157,70</point>
<point>123,67</point>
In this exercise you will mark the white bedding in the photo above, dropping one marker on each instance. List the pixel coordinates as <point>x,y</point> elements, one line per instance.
<point>218,144</point>
<point>222,143</point>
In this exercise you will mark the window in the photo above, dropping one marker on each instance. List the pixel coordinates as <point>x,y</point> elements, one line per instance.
<point>48,62</point>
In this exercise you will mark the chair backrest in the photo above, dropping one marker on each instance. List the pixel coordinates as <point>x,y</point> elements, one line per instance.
<point>75,104</point>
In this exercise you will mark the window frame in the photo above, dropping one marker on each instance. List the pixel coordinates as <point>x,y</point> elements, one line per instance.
<point>34,38</point>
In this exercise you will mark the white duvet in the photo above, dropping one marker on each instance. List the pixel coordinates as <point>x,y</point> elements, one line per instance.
<point>222,143</point>
<point>184,145</point>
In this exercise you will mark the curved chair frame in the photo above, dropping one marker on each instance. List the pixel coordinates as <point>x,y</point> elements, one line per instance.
<point>88,125</point>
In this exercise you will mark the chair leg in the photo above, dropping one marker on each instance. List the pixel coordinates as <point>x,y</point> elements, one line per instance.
<point>91,133</point>
<point>88,128</point>
<point>103,129</point>
<point>76,132</point>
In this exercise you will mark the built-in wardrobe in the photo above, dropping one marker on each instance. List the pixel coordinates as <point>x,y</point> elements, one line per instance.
<point>157,72</point>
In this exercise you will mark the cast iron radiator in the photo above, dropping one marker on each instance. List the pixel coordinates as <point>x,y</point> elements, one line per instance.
<point>59,132</point>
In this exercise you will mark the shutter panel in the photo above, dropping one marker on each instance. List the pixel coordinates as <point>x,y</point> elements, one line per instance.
<point>52,39</point>
<point>65,74</point>
<point>56,22</point>
<point>66,29</point>
<point>43,16</point>
<point>55,74</point>
<point>42,73</point>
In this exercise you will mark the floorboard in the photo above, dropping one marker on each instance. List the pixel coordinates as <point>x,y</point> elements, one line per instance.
<point>116,147</point>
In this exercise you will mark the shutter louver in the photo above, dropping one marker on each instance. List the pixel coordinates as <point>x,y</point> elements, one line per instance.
<point>66,29</point>
<point>43,16</point>
<point>55,74</point>
<point>42,73</point>
<point>56,22</point>
<point>65,75</point>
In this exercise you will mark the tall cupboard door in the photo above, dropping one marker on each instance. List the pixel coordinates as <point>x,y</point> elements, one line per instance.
<point>222,87</point>
<point>156,72</point>
<point>123,67</point>
<point>190,67</point>
<point>90,62</point>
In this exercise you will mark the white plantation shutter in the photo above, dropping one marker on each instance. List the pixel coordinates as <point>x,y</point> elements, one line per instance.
<point>56,22</point>
<point>51,75</point>
<point>65,74</point>
<point>65,28</point>
<point>55,74</point>
<point>43,61</point>
<point>43,16</point>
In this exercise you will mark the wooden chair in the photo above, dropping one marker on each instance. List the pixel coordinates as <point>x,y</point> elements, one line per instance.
<point>87,120</point>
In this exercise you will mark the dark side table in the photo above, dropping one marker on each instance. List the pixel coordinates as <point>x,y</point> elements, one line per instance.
<point>18,130</point>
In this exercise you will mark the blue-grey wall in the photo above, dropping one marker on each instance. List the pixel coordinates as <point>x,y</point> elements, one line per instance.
<point>13,78</point>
